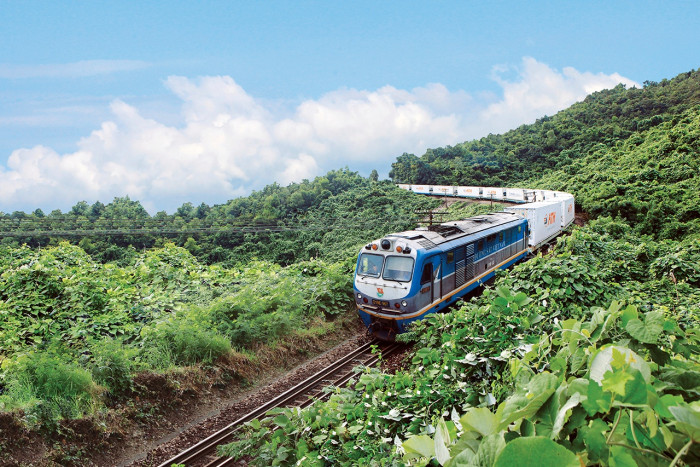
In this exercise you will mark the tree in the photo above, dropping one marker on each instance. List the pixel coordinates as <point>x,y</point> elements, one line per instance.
<point>186,211</point>
<point>374,176</point>
<point>80,209</point>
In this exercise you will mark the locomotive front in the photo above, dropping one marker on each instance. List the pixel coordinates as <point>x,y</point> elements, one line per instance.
<point>383,285</point>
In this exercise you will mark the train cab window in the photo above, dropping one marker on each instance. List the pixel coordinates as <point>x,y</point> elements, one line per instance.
<point>450,257</point>
<point>370,265</point>
<point>398,268</point>
<point>427,276</point>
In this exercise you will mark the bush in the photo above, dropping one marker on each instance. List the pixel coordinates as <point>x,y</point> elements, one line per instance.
<point>48,387</point>
<point>183,339</point>
<point>112,365</point>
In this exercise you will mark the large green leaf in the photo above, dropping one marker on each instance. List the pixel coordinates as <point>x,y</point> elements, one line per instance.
<point>602,362</point>
<point>488,451</point>
<point>442,441</point>
<point>647,331</point>
<point>525,403</point>
<point>420,445</point>
<point>481,420</point>
<point>564,413</point>
<point>595,441</point>
<point>687,421</point>
<point>597,400</point>
<point>536,451</point>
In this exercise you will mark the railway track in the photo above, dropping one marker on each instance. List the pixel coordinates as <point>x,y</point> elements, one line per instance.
<point>302,395</point>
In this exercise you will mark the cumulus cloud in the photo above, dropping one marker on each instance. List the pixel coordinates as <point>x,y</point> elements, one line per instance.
<point>541,90</point>
<point>230,142</point>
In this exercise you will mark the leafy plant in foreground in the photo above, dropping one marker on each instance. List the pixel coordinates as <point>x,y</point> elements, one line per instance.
<point>600,400</point>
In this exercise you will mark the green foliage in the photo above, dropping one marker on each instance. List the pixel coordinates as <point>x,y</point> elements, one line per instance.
<point>182,339</point>
<point>602,402</point>
<point>269,300</point>
<point>463,209</point>
<point>47,387</point>
<point>112,364</point>
<point>651,179</point>
<point>74,317</point>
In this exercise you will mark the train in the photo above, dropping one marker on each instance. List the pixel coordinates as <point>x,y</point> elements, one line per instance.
<point>406,276</point>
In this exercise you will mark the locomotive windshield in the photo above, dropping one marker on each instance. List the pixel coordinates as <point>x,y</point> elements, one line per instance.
<point>370,265</point>
<point>398,268</point>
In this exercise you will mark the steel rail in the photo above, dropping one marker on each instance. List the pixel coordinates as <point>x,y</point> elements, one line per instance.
<point>346,376</point>
<point>207,446</point>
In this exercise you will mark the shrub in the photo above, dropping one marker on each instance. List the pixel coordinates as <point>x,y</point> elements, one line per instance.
<point>185,338</point>
<point>112,365</point>
<point>48,387</point>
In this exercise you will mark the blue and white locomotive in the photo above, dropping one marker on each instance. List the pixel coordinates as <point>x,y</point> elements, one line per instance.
<point>405,276</point>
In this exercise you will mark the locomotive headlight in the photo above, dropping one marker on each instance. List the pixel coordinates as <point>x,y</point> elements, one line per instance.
<point>404,303</point>
<point>359,296</point>
<point>386,244</point>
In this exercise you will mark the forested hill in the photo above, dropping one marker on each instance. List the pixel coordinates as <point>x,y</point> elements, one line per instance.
<point>530,151</point>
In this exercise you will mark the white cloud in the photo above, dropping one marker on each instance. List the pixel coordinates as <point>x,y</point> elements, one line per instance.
<point>541,90</point>
<point>229,142</point>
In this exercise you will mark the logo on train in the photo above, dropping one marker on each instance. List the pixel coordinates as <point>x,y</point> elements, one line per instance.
<point>550,219</point>
<point>380,291</point>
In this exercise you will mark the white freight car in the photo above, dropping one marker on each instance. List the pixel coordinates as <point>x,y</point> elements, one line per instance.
<point>421,189</point>
<point>443,190</point>
<point>469,191</point>
<point>494,193</point>
<point>544,219</point>
<point>516,194</point>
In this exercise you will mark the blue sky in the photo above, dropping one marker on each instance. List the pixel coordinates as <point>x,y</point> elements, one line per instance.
<point>180,101</point>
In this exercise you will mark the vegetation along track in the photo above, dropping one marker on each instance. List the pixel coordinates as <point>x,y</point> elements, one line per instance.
<point>302,395</point>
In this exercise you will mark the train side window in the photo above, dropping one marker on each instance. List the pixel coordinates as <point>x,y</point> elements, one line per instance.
<point>480,245</point>
<point>500,236</point>
<point>427,275</point>
<point>450,257</point>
